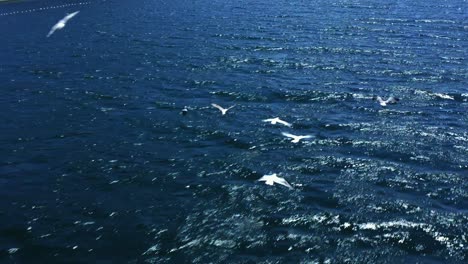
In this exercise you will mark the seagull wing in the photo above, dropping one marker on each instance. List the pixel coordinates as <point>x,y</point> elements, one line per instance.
<point>263,178</point>
<point>289,135</point>
<point>283,182</point>
<point>69,16</point>
<point>444,96</point>
<point>219,107</point>
<point>230,107</point>
<point>284,122</point>
<point>52,30</point>
<point>268,179</point>
<point>379,99</point>
<point>306,136</point>
<point>268,120</point>
<point>392,100</point>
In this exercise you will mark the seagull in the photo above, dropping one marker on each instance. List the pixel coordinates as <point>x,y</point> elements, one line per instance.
<point>277,120</point>
<point>61,24</point>
<point>294,137</point>
<point>273,178</point>
<point>223,110</point>
<point>390,100</point>
<point>184,111</point>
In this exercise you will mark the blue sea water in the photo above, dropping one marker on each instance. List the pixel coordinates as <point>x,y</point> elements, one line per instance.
<point>99,166</point>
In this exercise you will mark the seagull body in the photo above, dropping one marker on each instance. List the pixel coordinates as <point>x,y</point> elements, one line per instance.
<point>273,178</point>
<point>295,139</point>
<point>184,111</point>
<point>61,24</point>
<point>275,120</point>
<point>223,110</point>
<point>390,100</point>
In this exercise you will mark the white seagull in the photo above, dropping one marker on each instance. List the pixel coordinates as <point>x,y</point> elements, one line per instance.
<point>273,178</point>
<point>61,24</point>
<point>223,110</point>
<point>294,137</point>
<point>390,100</point>
<point>184,111</point>
<point>275,120</point>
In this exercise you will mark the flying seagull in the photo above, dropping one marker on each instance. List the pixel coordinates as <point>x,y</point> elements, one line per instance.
<point>390,100</point>
<point>295,139</point>
<point>61,24</point>
<point>184,111</point>
<point>275,120</point>
<point>273,178</point>
<point>223,110</point>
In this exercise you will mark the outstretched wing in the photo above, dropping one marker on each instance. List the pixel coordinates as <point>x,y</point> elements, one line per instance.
<point>218,106</point>
<point>268,120</point>
<point>284,123</point>
<point>69,16</point>
<point>267,179</point>
<point>306,136</point>
<point>378,99</point>
<point>230,107</point>
<point>444,96</point>
<point>284,183</point>
<point>392,100</point>
<point>52,30</point>
<point>263,178</point>
<point>288,135</point>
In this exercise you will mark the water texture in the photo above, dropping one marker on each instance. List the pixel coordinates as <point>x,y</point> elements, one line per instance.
<point>99,166</point>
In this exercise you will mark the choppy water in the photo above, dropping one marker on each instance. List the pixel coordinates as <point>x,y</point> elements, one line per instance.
<point>98,166</point>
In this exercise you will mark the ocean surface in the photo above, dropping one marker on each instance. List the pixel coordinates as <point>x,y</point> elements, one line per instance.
<point>98,165</point>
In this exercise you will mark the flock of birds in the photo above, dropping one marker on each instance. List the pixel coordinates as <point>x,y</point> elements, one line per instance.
<point>269,179</point>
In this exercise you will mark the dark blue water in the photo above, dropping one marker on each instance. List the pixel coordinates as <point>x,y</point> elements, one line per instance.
<point>99,166</point>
